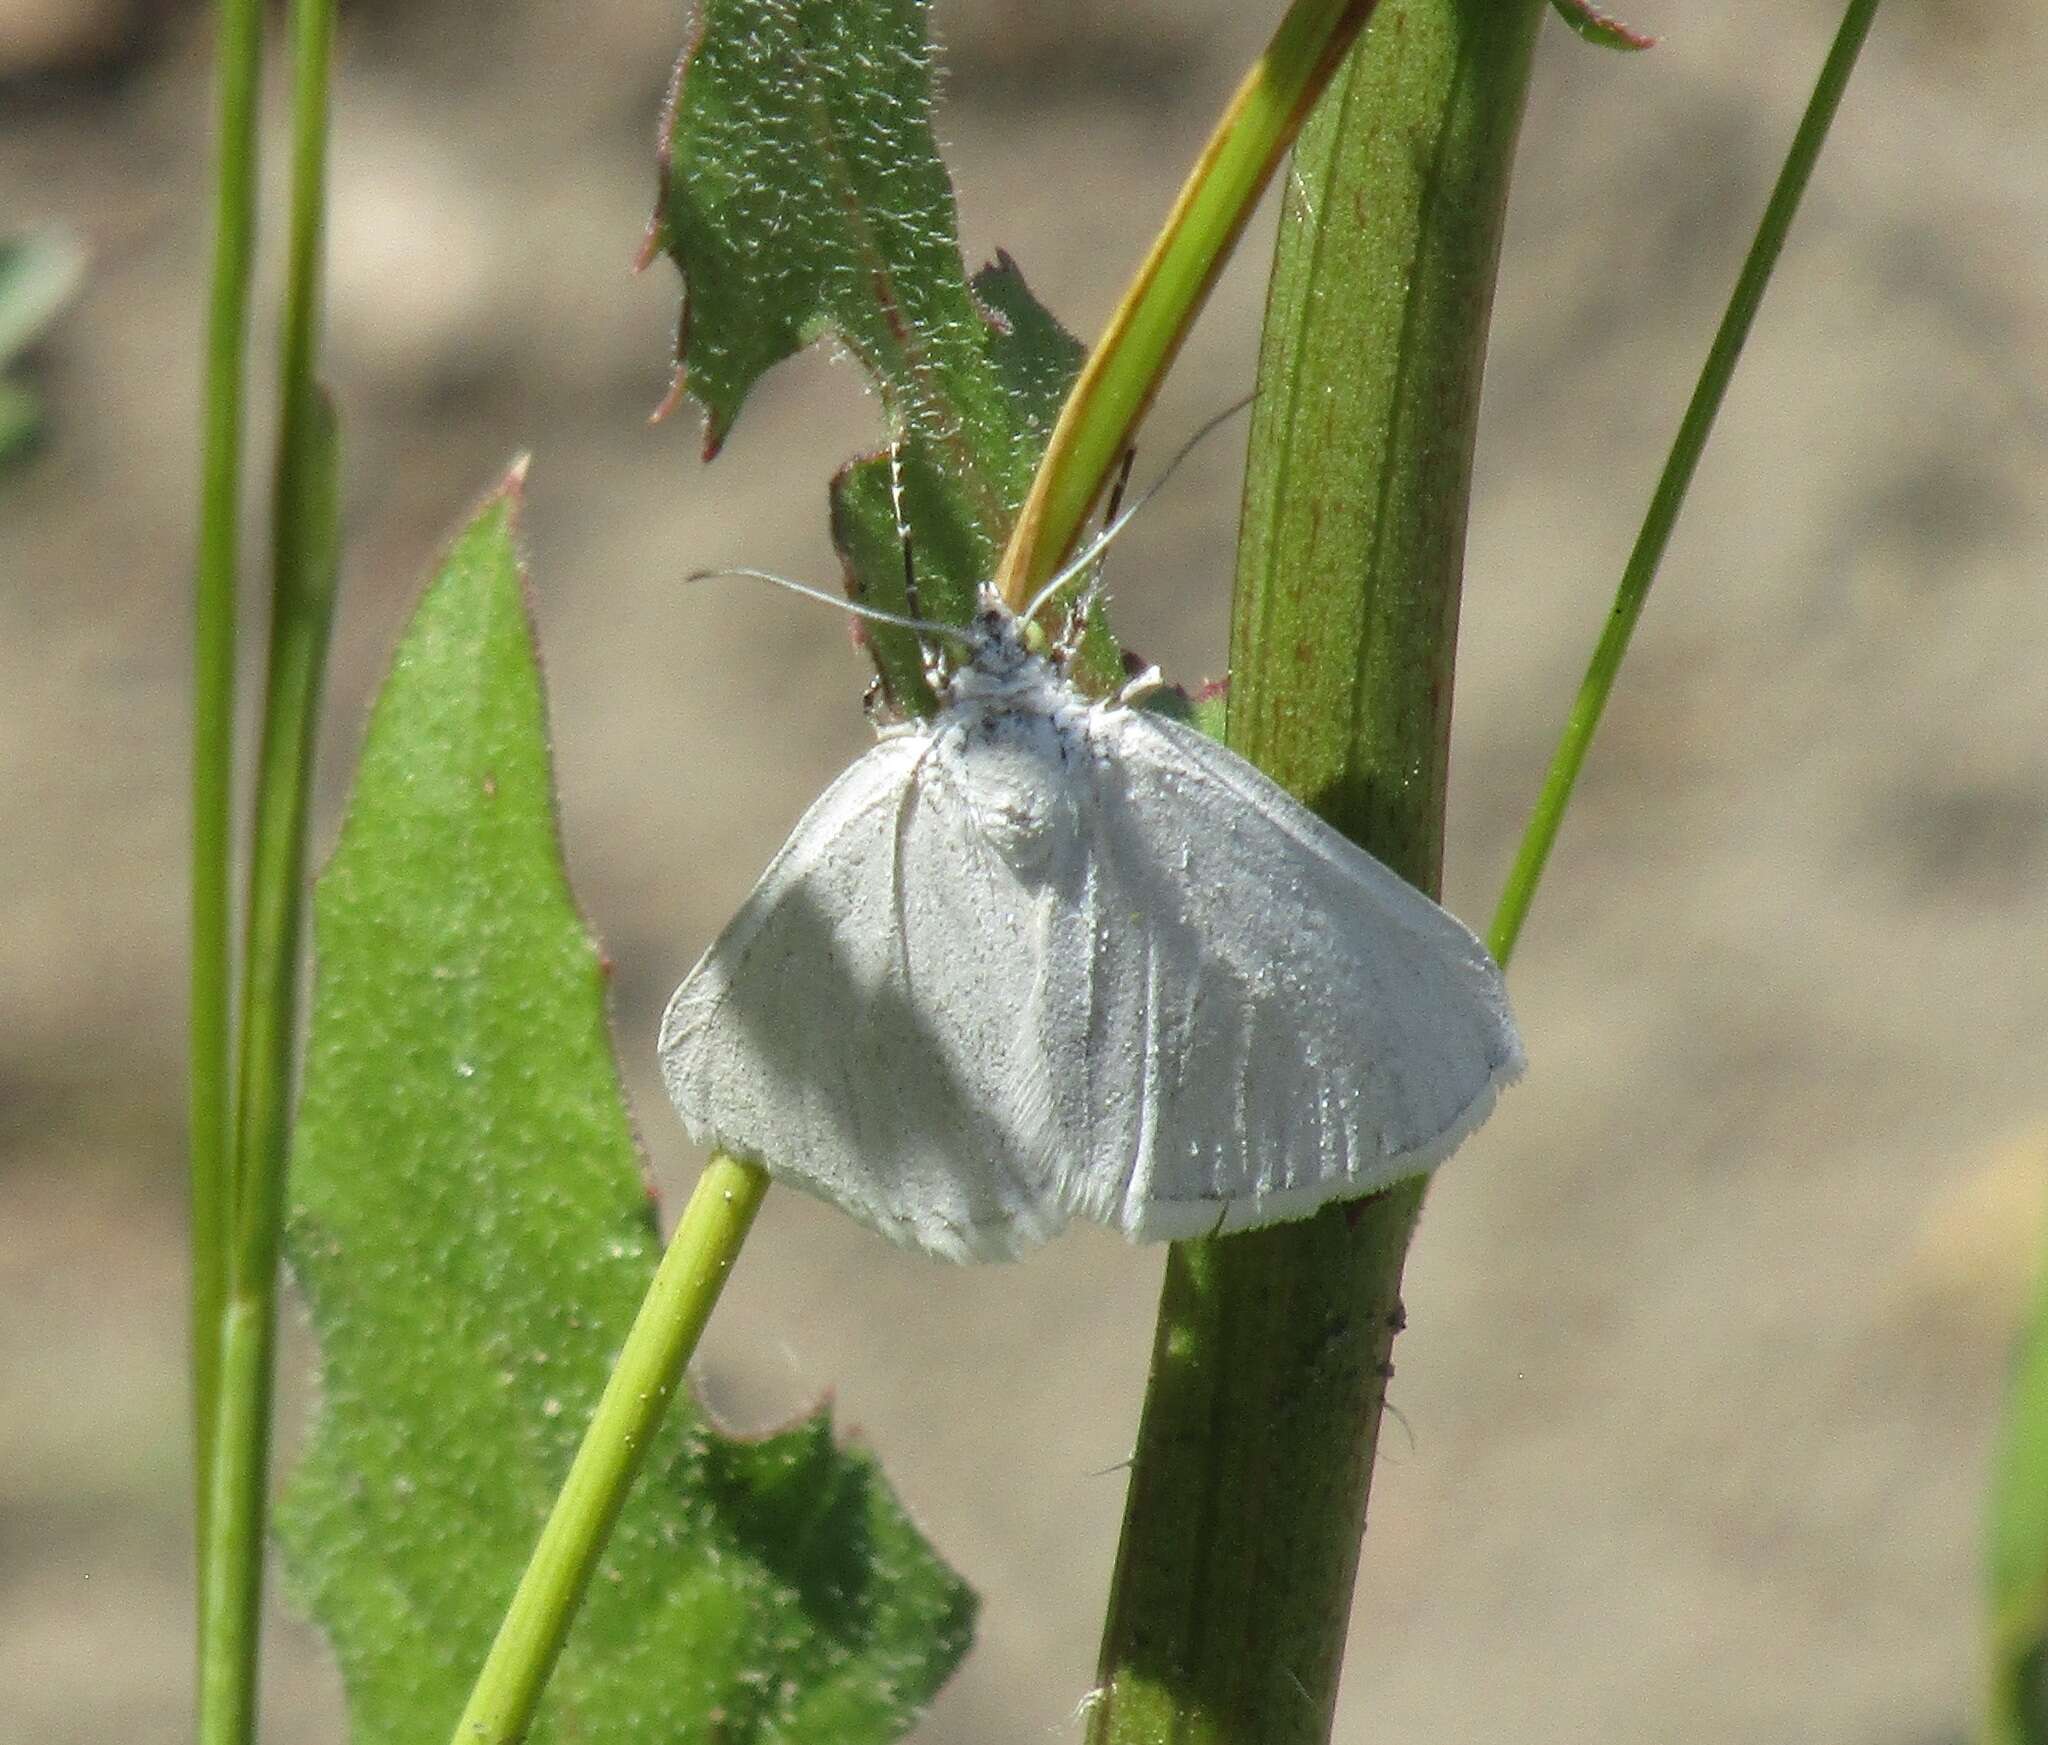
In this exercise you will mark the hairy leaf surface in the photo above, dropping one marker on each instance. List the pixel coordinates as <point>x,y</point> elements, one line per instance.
<point>803,197</point>
<point>473,1230</point>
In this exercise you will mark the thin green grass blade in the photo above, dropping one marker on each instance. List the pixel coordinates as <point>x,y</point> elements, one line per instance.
<point>209,1048</point>
<point>2016,1712</point>
<point>307,556</point>
<point>1676,478</point>
<point>305,562</point>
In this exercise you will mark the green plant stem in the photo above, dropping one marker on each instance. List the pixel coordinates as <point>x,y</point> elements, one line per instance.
<point>1136,348</point>
<point>229,1595</point>
<point>305,553</point>
<point>210,1113</point>
<point>1255,1452</point>
<point>1693,430</point>
<point>664,1334</point>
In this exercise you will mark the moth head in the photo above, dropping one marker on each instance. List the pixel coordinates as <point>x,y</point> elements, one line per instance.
<point>999,643</point>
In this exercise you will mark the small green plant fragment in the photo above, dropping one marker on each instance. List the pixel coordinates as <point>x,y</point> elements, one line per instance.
<point>803,197</point>
<point>473,1230</point>
<point>21,422</point>
<point>1599,28</point>
<point>2018,1708</point>
<point>39,272</point>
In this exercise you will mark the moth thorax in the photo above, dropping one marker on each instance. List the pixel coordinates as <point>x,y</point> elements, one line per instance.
<point>1014,771</point>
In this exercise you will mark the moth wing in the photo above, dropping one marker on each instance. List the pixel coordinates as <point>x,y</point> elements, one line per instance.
<point>1259,1016</point>
<point>853,1028</point>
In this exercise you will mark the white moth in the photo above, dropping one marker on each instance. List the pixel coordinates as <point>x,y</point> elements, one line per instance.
<point>1041,957</point>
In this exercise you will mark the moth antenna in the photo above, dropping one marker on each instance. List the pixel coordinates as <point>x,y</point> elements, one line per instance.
<point>1068,643</point>
<point>923,626</point>
<point>910,598</point>
<point>1094,548</point>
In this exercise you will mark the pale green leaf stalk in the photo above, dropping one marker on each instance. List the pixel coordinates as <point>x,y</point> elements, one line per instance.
<point>1144,334</point>
<point>665,1332</point>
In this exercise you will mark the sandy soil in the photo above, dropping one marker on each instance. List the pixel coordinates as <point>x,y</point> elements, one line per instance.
<point>1706,1330</point>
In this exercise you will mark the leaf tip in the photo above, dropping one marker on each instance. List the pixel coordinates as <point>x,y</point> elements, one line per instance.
<point>664,161</point>
<point>1601,28</point>
<point>717,419</point>
<point>650,241</point>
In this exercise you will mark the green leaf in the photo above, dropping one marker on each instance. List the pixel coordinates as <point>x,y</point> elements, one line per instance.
<point>1599,28</point>
<point>473,1230</point>
<point>803,197</point>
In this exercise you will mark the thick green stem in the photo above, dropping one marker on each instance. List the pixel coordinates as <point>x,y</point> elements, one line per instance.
<point>305,549</point>
<point>1254,1461</point>
<point>666,1330</point>
<point>210,1113</point>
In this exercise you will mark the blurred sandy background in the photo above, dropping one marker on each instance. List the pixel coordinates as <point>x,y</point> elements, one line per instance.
<point>1707,1330</point>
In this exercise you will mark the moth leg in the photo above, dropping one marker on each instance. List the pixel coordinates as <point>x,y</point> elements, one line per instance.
<point>1141,687</point>
<point>1123,483</point>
